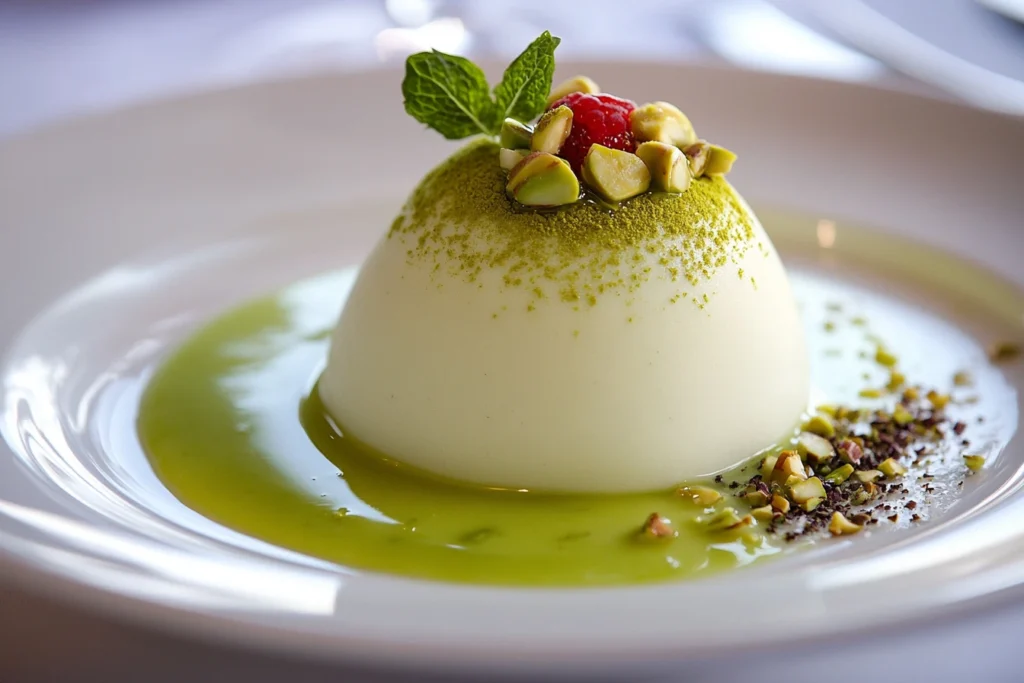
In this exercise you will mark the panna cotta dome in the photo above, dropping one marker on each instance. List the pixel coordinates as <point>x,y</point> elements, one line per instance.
<point>577,350</point>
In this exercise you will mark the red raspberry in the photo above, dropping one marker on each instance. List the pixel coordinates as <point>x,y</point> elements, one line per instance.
<point>596,119</point>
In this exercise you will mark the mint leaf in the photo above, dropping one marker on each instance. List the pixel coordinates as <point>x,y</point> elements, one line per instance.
<point>449,94</point>
<point>524,89</point>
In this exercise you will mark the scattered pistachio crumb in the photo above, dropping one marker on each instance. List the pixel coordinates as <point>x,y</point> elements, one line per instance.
<point>821,426</point>
<point>870,393</point>
<point>891,468</point>
<point>841,526</point>
<point>700,495</point>
<point>884,358</point>
<point>658,527</point>
<point>963,379</point>
<point>974,462</point>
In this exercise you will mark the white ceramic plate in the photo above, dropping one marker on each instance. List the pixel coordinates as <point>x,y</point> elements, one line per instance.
<point>176,210</point>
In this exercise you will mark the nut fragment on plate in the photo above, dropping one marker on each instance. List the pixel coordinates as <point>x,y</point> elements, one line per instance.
<point>657,526</point>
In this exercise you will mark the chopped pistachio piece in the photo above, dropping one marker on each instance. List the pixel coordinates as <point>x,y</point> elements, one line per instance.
<point>551,131</point>
<point>820,425</point>
<point>866,476</point>
<point>789,465</point>
<point>902,416</point>
<point>850,451</point>
<point>764,513</point>
<point>614,174</point>
<point>662,122</point>
<point>841,474</point>
<point>870,393</point>
<point>811,504</point>
<point>720,161</point>
<point>896,380</point>
<point>815,449</point>
<point>574,84</point>
<point>700,495</point>
<point>827,409</point>
<point>938,401</point>
<point>780,503</point>
<point>891,468</point>
<point>509,158</point>
<point>698,153</point>
<point>884,358</point>
<point>963,379</point>
<point>755,498</point>
<point>841,526</point>
<point>669,168</point>
<point>768,466</point>
<point>911,394</point>
<point>974,462</point>
<point>805,490</point>
<point>658,527</point>
<point>515,134</point>
<point>542,180</point>
<point>728,520</point>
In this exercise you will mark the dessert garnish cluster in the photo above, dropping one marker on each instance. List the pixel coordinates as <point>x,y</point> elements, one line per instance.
<point>584,143</point>
<point>848,468</point>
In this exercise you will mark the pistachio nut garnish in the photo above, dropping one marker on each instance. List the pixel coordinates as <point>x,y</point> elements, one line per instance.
<point>662,122</point>
<point>720,161</point>
<point>885,358</point>
<point>840,474</point>
<point>657,527</point>
<point>789,465</point>
<point>543,180</point>
<point>780,503</point>
<point>698,153</point>
<point>764,513</point>
<point>515,134</point>
<point>811,504</point>
<point>841,526</point>
<point>551,131</point>
<point>820,425</point>
<point>700,495</point>
<point>850,451</point>
<point>805,490</point>
<point>768,466</point>
<point>902,416</point>
<point>509,158</point>
<point>574,84</point>
<point>974,462</point>
<point>867,476</point>
<point>891,468</point>
<point>755,498</point>
<point>963,378</point>
<point>938,401</point>
<point>669,168</point>
<point>728,520</point>
<point>614,174</point>
<point>815,449</point>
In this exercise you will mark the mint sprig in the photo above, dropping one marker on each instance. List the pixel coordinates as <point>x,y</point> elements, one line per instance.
<point>523,91</point>
<point>450,93</point>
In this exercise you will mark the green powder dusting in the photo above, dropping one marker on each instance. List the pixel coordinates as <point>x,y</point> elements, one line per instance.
<point>460,221</point>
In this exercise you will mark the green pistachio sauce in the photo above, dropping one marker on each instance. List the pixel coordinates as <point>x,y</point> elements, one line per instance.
<point>233,428</point>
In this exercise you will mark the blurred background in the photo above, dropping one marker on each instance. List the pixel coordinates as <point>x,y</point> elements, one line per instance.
<point>60,58</point>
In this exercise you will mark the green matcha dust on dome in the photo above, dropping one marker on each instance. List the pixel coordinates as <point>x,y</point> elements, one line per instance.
<point>460,221</point>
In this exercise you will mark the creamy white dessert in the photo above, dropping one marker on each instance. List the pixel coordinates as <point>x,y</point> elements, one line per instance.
<point>581,350</point>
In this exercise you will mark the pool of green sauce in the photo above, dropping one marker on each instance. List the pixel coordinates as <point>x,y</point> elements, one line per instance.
<point>233,428</point>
